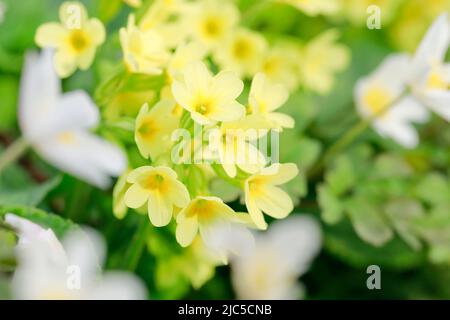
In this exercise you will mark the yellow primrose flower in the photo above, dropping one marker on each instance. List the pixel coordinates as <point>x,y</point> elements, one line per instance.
<point>213,21</point>
<point>243,52</point>
<point>154,128</point>
<point>133,3</point>
<point>315,7</point>
<point>278,65</point>
<point>222,230</point>
<point>322,57</point>
<point>184,55</point>
<point>143,51</point>
<point>159,12</point>
<point>169,19</point>
<point>266,97</point>
<point>262,195</point>
<point>232,144</point>
<point>75,39</point>
<point>160,187</point>
<point>209,99</point>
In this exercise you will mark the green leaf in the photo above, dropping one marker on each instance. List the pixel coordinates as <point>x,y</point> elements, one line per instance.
<point>47,220</point>
<point>342,176</point>
<point>342,241</point>
<point>402,213</point>
<point>27,195</point>
<point>434,189</point>
<point>368,221</point>
<point>332,209</point>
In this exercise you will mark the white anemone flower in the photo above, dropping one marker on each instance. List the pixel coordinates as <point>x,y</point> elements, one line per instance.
<point>280,256</point>
<point>429,74</point>
<point>381,98</point>
<point>57,125</point>
<point>50,270</point>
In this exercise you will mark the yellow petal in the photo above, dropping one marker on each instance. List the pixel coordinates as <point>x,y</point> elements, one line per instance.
<point>281,120</point>
<point>186,231</point>
<point>96,31</point>
<point>227,86</point>
<point>274,202</point>
<point>178,194</point>
<point>65,63</point>
<point>85,60</point>
<point>280,173</point>
<point>50,34</point>
<point>256,214</point>
<point>159,210</point>
<point>197,77</point>
<point>137,174</point>
<point>136,196</point>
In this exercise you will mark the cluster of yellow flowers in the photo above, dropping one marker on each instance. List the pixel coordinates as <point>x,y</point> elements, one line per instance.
<point>193,96</point>
<point>203,55</point>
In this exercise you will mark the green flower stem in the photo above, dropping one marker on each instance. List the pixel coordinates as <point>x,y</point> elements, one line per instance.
<point>138,244</point>
<point>349,137</point>
<point>221,174</point>
<point>339,145</point>
<point>12,153</point>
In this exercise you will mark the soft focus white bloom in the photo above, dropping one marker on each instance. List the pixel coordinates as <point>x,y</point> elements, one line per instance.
<point>279,257</point>
<point>57,125</point>
<point>429,74</point>
<point>48,270</point>
<point>381,96</point>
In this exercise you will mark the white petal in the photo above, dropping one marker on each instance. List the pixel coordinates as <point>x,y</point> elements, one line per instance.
<point>118,286</point>
<point>298,239</point>
<point>40,89</point>
<point>408,109</point>
<point>432,48</point>
<point>85,249</point>
<point>75,110</point>
<point>439,102</point>
<point>403,133</point>
<point>85,156</point>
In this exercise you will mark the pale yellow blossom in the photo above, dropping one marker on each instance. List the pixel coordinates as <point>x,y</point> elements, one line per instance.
<point>266,97</point>
<point>75,39</point>
<point>143,51</point>
<point>263,195</point>
<point>154,128</point>
<point>242,52</point>
<point>209,98</point>
<point>160,188</point>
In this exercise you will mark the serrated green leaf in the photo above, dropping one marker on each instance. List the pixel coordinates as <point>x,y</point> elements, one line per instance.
<point>47,220</point>
<point>341,177</point>
<point>368,222</point>
<point>332,209</point>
